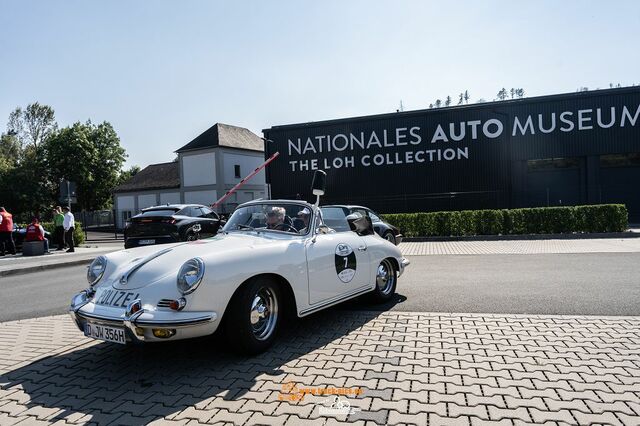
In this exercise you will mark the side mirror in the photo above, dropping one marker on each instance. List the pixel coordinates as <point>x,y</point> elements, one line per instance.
<point>359,224</point>
<point>319,183</point>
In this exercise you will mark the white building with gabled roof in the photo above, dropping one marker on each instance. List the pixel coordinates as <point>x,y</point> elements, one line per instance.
<point>206,168</point>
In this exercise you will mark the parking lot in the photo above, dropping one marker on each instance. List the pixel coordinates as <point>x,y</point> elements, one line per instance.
<point>513,332</point>
<point>406,368</point>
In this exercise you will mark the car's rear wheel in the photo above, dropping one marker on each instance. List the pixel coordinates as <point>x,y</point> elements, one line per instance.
<point>389,237</point>
<point>253,316</point>
<point>386,280</point>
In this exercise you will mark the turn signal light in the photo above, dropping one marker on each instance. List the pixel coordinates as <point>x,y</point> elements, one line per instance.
<point>135,308</point>
<point>163,333</point>
<point>177,305</point>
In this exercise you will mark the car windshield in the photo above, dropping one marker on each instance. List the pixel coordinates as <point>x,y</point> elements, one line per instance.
<point>277,217</point>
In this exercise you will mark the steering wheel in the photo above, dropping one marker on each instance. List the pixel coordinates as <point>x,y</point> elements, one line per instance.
<point>287,226</point>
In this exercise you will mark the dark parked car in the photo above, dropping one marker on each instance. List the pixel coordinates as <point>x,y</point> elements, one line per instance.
<point>19,234</point>
<point>335,217</point>
<point>171,223</point>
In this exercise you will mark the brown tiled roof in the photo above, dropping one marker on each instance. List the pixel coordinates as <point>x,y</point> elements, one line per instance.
<point>154,176</point>
<point>227,136</point>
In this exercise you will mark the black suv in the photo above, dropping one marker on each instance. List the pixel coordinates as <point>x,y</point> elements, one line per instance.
<point>171,223</point>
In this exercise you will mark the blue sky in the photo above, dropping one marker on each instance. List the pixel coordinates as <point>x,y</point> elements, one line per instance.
<point>162,72</point>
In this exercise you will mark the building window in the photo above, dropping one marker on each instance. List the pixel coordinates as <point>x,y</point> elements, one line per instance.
<point>620,160</point>
<point>552,163</point>
<point>236,169</point>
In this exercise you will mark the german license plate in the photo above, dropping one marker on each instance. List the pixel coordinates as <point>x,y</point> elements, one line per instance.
<point>106,333</point>
<point>147,242</point>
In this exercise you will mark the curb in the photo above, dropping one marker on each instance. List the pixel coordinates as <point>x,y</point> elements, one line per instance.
<point>525,237</point>
<point>38,268</point>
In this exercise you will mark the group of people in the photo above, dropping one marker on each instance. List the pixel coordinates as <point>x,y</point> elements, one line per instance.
<point>276,220</point>
<point>64,223</point>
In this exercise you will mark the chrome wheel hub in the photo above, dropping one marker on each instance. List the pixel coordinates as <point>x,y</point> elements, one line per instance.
<point>385,277</point>
<point>264,313</point>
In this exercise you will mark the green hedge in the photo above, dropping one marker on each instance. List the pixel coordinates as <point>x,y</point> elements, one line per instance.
<point>540,220</point>
<point>78,233</point>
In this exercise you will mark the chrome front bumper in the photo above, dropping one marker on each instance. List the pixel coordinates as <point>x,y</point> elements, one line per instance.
<point>404,262</point>
<point>138,324</point>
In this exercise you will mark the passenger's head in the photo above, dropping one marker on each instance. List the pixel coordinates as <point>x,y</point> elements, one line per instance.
<point>35,220</point>
<point>66,209</point>
<point>304,214</point>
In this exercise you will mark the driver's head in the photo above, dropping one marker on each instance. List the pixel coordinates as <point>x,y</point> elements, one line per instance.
<point>275,217</point>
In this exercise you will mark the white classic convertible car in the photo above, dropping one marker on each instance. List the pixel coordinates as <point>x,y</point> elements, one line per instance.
<point>272,257</point>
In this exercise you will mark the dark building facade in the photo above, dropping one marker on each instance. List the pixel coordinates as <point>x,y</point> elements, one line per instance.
<point>569,149</point>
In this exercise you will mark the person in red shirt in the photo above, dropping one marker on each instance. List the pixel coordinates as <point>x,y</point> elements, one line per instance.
<point>35,232</point>
<point>6,232</point>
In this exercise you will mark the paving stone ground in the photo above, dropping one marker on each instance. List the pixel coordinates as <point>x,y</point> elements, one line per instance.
<point>603,245</point>
<point>411,368</point>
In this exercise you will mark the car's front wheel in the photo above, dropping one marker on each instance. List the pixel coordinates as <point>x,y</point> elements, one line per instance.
<point>386,280</point>
<point>191,236</point>
<point>253,316</point>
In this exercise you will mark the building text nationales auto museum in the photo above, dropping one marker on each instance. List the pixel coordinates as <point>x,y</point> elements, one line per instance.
<point>568,149</point>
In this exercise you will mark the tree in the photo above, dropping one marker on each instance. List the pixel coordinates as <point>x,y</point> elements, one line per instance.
<point>520,93</point>
<point>447,101</point>
<point>10,152</point>
<point>438,103</point>
<point>33,125</point>
<point>25,185</point>
<point>502,94</point>
<point>466,97</point>
<point>430,106</point>
<point>90,156</point>
<point>461,99</point>
<point>125,175</point>
<point>513,92</point>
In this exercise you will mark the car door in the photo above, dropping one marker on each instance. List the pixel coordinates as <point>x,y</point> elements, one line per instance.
<point>338,265</point>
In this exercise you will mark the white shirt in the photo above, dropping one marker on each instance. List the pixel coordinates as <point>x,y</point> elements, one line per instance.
<point>69,221</point>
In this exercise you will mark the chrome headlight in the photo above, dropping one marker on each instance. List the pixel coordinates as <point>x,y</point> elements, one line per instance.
<point>96,270</point>
<point>190,275</point>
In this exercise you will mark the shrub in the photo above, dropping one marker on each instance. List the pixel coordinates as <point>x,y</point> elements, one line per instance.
<point>78,233</point>
<point>539,220</point>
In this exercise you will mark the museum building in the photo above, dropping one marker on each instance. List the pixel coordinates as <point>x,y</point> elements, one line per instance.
<point>566,149</point>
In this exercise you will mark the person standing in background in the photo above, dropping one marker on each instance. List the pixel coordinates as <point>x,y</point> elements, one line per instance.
<point>6,232</point>
<point>69,225</point>
<point>58,233</point>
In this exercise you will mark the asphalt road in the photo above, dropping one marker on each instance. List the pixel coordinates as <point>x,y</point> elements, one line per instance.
<point>575,284</point>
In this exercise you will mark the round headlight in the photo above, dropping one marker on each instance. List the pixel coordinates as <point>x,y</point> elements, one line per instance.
<point>96,270</point>
<point>190,275</point>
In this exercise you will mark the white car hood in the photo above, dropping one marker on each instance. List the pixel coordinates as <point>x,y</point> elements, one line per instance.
<point>138,267</point>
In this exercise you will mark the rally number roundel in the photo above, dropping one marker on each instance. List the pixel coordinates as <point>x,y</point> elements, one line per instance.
<point>345,262</point>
